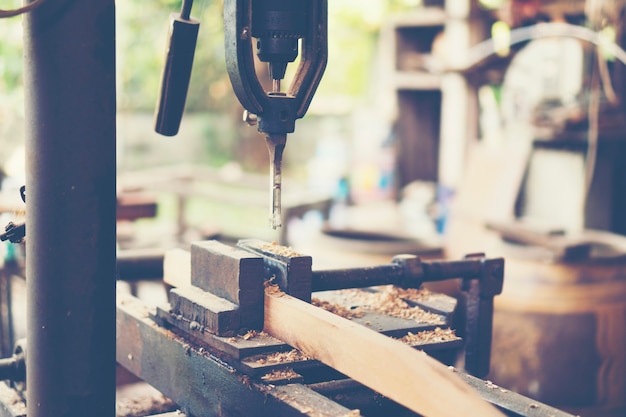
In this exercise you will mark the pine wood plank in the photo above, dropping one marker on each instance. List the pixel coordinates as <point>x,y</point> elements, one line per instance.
<point>177,268</point>
<point>403,374</point>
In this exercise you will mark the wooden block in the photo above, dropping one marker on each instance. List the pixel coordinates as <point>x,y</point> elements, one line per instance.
<point>232,274</point>
<point>216,315</point>
<point>177,268</point>
<point>393,369</point>
<point>227,272</point>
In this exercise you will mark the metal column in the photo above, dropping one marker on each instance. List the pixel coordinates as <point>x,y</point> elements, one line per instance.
<point>70,153</point>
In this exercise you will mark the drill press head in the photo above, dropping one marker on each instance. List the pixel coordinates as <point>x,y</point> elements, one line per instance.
<point>275,29</point>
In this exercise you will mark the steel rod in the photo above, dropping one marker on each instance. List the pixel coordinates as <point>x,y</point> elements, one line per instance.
<point>337,279</point>
<point>69,77</point>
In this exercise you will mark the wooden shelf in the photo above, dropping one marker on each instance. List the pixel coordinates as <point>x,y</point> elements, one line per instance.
<point>424,132</point>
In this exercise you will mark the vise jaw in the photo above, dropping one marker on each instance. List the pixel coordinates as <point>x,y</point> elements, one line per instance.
<point>227,284</point>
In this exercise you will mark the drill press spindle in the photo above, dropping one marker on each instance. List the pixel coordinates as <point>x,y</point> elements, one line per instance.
<point>276,30</point>
<point>276,146</point>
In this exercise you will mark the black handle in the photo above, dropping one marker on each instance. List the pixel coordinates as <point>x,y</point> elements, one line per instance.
<point>181,47</point>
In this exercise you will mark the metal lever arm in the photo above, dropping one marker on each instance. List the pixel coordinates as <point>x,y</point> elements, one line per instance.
<point>183,34</point>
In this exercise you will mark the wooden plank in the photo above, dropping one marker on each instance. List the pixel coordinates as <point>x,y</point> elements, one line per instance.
<point>206,311</point>
<point>177,268</point>
<point>391,368</point>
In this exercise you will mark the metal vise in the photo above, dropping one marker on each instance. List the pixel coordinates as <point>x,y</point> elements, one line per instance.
<point>227,286</point>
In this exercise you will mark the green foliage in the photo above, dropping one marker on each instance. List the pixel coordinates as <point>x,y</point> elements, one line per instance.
<point>353,33</point>
<point>10,54</point>
<point>353,28</point>
<point>141,38</point>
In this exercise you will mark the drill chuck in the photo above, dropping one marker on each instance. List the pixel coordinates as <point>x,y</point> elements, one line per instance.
<point>277,25</point>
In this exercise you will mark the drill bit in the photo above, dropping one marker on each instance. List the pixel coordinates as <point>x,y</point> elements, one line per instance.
<point>276,145</point>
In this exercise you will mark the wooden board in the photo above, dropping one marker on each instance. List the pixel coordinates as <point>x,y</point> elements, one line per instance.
<point>391,368</point>
<point>177,268</point>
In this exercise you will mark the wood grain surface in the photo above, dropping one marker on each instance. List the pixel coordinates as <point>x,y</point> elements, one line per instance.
<point>399,372</point>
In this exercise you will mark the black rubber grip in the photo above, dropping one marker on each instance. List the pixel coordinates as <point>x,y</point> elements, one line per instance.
<point>181,47</point>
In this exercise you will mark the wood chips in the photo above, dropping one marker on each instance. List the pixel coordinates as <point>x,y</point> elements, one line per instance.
<point>280,374</point>
<point>273,289</point>
<point>293,355</point>
<point>277,249</point>
<point>438,335</point>
<point>389,300</point>
<point>337,309</point>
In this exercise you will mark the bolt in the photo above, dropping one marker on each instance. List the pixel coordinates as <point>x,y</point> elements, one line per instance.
<point>250,118</point>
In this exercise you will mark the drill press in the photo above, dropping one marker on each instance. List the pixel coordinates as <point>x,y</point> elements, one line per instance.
<point>277,30</point>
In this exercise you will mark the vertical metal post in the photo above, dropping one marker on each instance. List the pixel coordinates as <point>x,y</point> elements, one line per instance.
<point>69,49</point>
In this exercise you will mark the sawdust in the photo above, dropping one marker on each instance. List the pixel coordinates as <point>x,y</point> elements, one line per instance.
<point>272,289</point>
<point>337,309</point>
<point>437,335</point>
<point>280,374</point>
<point>282,357</point>
<point>249,335</point>
<point>388,300</point>
<point>397,308</point>
<point>280,250</point>
<point>414,294</point>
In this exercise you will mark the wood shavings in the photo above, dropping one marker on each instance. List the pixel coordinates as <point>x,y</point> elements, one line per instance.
<point>273,289</point>
<point>413,294</point>
<point>388,300</point>
<point>280,374</point>
<point>280,250</point>
<point>491,385</point>
<point>437,335</point>
<point>282,357</point>
<point>249,335</point>
<point>337,309</point>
